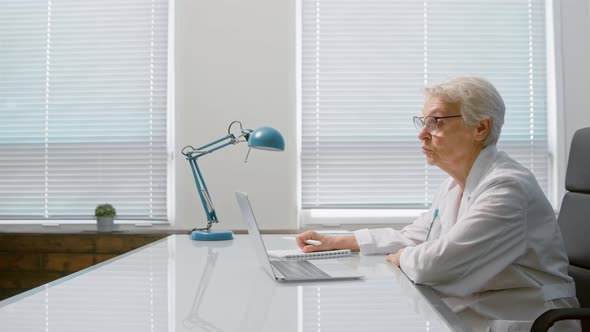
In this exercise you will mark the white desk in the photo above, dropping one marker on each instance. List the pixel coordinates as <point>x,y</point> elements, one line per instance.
<point>181,285</point>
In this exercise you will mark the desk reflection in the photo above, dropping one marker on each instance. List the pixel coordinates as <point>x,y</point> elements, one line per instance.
<point>128,294</point>
<point>372,305</point>
<point>180,285</point>
<point>194,320</point>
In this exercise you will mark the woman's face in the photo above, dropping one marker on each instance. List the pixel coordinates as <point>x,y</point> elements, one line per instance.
<point>453,143</point>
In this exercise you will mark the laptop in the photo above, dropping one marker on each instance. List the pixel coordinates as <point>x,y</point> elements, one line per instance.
<point>291,270</point>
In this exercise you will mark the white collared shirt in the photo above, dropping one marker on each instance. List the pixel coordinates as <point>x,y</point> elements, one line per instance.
<point>499,254</point>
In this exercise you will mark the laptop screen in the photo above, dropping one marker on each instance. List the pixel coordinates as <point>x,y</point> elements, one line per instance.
<point>253,231</point>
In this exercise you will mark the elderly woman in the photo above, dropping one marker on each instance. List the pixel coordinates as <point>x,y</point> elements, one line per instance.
<point>490,244</point>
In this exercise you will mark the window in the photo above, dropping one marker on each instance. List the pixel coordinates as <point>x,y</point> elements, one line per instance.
<point>363,67</point>
<point>83,108</point>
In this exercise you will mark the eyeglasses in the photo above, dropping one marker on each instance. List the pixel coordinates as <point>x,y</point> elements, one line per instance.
<point>430,122</point>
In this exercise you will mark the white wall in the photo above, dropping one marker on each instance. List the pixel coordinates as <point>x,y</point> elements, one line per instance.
<point>235,60</point>
<point>575,51</point>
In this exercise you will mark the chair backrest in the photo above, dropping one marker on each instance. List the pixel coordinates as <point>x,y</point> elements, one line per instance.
<point>574,215</point>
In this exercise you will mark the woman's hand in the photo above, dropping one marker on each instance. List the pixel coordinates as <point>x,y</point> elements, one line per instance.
<point>329,242</point>
<point>395,258</point>
<point>311,235</point>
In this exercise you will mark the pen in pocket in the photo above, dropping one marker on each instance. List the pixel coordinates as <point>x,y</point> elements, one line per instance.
<point>434,215</point>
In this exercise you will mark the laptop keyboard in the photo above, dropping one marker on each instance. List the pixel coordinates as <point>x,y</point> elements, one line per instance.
<point>299,270</point>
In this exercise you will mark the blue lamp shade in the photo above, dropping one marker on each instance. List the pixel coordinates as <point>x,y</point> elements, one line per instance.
<point>266,138</point>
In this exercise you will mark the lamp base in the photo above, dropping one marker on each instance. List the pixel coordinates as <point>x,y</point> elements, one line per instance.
<point>212,236</point>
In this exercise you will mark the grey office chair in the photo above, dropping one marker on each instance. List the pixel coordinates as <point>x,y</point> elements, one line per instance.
<point>574,221</point>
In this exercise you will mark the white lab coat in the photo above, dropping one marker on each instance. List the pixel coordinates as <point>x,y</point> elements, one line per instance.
<point>497,258</point>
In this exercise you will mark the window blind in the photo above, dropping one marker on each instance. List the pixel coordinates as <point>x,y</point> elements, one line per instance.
<point>364,65</point>
<point>83,107</point>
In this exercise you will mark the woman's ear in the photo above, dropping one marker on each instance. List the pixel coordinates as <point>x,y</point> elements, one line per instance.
<point>483,129</point>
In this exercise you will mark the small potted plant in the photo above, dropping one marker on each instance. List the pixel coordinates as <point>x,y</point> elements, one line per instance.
<point>105,214</point>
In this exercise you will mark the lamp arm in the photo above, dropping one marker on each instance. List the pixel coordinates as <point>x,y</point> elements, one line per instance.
<point>192,155</point>
<point>203,193</point>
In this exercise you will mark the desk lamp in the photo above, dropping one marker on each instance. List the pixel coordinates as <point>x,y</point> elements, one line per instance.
<point>264,138</point>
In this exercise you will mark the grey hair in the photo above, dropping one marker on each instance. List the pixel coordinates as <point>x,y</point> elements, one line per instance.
<point>478,100</point>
